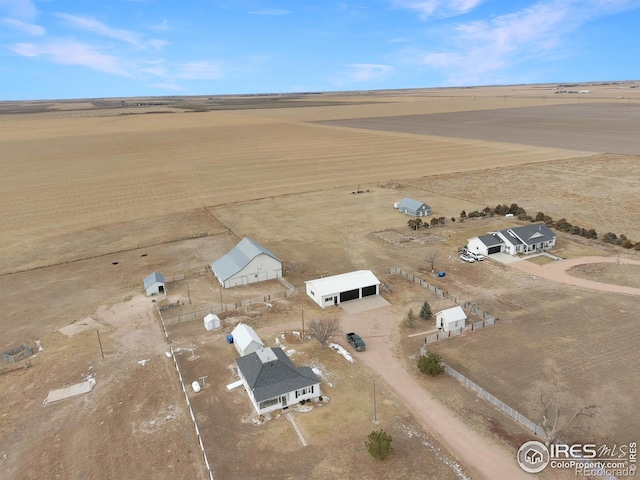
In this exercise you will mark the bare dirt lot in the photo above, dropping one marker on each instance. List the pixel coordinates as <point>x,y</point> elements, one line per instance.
<point>92,203</point>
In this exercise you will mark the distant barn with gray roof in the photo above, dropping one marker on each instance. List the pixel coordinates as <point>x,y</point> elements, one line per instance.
<point>248,262</point>
<point>415,208</point>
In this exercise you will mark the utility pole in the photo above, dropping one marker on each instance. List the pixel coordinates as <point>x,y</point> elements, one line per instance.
<point>302,336</point>
<point>100,342</point>
<point>221,308</point>
<point>188,292</point>
<point>375,417</point>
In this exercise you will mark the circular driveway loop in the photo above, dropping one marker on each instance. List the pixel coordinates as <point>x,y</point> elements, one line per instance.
<point>557,272</point>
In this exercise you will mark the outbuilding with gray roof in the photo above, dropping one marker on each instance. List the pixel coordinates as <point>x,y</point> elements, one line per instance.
<point>415,208</point>
<point>248,262</point>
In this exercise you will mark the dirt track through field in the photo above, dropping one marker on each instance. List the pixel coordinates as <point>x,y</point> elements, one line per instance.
<point>557,271</point>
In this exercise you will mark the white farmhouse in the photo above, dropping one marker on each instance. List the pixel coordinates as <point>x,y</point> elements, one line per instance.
<point>248,262</point>
<point>451,319</point>
<point>272,381</point>
<point>333,290</point>
<point>527,239</point>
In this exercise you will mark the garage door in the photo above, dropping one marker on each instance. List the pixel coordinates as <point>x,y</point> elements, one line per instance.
<point>494,250</point>
<point>350,295</point>
<point>367,291</point>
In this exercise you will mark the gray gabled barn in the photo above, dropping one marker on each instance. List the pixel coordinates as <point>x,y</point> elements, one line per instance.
<point>415,208</point>
<point>248,262</point>
<point>154,284</point>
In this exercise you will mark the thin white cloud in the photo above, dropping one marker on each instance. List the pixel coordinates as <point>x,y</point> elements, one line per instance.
<point>19,8</point>
<point>168,86</point>
<point>481,49</point>
<point>269,11</point>
<point>23,27</point>
<point>438,8</point>
<point>72,53</point>
<point>92,25</point>
<point>203,70</point>
<point>364,72</point>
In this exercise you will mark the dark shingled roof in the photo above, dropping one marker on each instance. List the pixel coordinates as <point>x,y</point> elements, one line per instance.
<point>491,240</point>
<point>529,234</point>
<point>274,377</point>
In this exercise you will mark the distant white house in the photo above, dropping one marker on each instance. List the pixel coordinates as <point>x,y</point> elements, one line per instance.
<point>451,319</point>
<point>415,208</point>
<point>527,239</point>
<point>245,339</point>
<point>333,290</point>
<point>272,381</point>
<point>154,284</point>
<point>248,262</point>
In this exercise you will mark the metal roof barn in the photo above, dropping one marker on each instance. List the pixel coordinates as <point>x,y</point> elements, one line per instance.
<point>247,262</point>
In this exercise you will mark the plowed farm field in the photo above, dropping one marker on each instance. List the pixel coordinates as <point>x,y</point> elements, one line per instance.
<point>95,195</point>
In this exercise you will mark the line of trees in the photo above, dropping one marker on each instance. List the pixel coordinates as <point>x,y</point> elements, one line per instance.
<point>561,225</point>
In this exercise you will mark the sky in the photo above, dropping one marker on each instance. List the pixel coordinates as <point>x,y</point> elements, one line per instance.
<point>56,49</point>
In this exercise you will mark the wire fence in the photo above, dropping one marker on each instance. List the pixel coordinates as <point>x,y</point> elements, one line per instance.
<point>487,318</point>
<point>436,337</point>
<point>186,397</point>
<point>226,307</point>
<point>512,412</point>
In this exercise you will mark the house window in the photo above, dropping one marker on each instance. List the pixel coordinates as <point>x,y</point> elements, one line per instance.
<point>269,403</point>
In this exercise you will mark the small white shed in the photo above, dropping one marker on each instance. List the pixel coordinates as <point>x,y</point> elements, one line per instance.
<point>154,284</point>
<point>451,319</point>
<point>246,339</point>
<point>211,321</point>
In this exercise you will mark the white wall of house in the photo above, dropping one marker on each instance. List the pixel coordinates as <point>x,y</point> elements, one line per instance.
<point>475,245</point>
<point>450,326</point>
<point>285,400</point>
<point>262,267</point>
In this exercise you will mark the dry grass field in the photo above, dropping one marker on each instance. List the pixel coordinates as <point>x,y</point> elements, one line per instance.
<point>96,195</point>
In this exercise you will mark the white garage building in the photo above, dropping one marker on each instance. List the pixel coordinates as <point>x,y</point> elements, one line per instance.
<point>341,288</point>
<point>248,262</point>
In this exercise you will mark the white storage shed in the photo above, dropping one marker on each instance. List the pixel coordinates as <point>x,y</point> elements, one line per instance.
<point>154,284</point>
<point>451,319</point>
<point>211,322</point>
<point>245,339</point>
<point>341,288</point>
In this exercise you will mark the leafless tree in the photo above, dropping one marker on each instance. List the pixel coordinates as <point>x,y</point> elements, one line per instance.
<point>559,412</point>
<point>433,256</point>
<point>323,329</point>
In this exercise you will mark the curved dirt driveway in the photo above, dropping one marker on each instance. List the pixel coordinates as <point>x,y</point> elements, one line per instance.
<point>557,272</point>
<point>478,456</point>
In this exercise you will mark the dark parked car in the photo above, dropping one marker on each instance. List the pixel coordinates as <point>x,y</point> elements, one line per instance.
<point>357,342</point>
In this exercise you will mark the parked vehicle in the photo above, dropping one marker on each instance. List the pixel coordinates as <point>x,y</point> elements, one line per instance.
<point>478,257</point>
<point>466,258</point>
<point>357,342</point>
